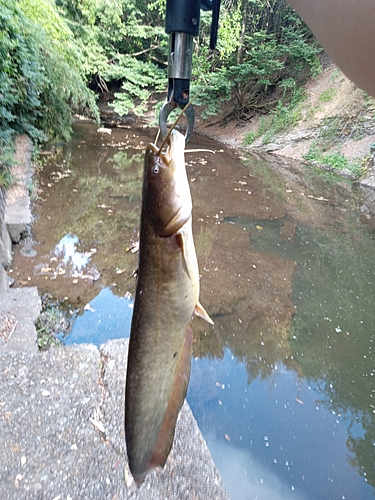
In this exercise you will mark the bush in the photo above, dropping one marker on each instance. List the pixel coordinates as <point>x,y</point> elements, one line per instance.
<point>334,160</point>
<point>41,85</point>
<point>264,54</point>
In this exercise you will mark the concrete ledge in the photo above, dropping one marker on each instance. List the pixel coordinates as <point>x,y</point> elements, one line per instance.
<point>17,211</point>
<point>62,432</point>
<point>18,217</point>
<point>6,256</point>
<point>19,310</point>
<point>4,279</point>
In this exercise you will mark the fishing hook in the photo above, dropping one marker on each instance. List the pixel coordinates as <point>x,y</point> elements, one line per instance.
<point>182,25</point>
<point>166,110</point>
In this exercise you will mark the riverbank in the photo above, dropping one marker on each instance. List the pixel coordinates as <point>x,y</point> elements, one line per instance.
<point>332,127</point>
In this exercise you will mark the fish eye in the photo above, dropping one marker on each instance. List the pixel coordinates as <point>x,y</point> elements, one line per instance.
<point>155,169</point>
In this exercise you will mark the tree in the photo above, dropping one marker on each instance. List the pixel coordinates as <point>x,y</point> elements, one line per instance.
<point>40,79</point>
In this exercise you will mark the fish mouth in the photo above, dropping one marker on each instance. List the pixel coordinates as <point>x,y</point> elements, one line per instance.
<point>175,146</point>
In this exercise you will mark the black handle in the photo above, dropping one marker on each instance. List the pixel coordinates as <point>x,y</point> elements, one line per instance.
<point>184,15</point>
<point>214,23</point>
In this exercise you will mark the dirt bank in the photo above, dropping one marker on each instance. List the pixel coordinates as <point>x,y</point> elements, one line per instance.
<point>335,118</point>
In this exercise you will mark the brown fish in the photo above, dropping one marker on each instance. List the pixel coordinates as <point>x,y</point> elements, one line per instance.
<point>166,298</point>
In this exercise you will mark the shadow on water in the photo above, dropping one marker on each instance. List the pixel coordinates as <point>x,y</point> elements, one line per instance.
<point>283,387</point>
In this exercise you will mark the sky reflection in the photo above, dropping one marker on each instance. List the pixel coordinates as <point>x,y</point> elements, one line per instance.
<point>273,438</point>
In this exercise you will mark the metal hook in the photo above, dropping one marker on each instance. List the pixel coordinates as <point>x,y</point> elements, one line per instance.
<point>166,110</point>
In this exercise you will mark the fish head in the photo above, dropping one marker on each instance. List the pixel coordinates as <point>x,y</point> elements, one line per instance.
<point>166,192</point>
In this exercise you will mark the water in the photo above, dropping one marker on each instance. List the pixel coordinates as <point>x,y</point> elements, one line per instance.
<point>283,387</point>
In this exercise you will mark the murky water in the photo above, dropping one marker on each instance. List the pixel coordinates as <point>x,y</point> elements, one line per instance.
<point>283,387</point>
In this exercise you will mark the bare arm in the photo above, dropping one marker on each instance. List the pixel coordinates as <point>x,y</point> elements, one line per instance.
<point>346,29</point>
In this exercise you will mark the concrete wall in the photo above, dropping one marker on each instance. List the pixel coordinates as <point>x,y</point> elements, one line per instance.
<point>5,244</point>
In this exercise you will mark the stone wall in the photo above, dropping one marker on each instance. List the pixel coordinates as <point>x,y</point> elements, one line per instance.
<point>5,244</point>
<point>15,211</point>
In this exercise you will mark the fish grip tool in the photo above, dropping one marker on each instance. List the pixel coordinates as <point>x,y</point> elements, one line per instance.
<point>182,24</point>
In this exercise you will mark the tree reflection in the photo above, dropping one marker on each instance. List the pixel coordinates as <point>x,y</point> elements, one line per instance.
<point>332,338</point>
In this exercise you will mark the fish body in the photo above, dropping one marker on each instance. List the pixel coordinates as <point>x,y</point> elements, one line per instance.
<point>166,297</point>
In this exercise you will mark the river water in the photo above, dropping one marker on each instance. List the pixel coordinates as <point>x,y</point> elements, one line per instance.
<point>283,386</point>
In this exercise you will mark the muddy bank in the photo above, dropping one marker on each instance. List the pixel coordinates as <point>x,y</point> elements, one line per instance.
<point>334,116</point>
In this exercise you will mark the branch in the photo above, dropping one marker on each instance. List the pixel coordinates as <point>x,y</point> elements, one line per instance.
<point>164,63</point>
<point>144,51</point>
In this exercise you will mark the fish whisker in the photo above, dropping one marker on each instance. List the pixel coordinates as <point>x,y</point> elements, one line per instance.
<point>200,151</point>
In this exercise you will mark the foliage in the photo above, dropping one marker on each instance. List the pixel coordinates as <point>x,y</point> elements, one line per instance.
<point>335,160</point>
<point>261,44</point>
<point>5,177</point>
<point>285,116</point>
<point>6,161</point>
<point>40,79</point>
<point>49,48</point>
<point>327,95</point>
<point>141,77</point>
<point>124,47</point>
<point>41,82</point>
<point>282,119</point>
<point>45,339</point>
<point>264,53</point>
<point>250,137</point>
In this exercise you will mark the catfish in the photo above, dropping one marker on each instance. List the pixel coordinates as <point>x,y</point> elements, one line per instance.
<point>166,298</point>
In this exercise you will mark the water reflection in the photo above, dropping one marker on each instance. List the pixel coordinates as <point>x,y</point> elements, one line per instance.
<point>273,439</point>
<point>105,317</point>
<point>66,249</point>
<point>282,386</point>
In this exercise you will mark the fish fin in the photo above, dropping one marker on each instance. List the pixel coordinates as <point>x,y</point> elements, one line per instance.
<point>182,374</point>
<point>181,244</point>
<point>202,313</point>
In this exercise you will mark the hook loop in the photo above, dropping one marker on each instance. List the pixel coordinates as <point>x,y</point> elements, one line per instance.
<point>166,110</point>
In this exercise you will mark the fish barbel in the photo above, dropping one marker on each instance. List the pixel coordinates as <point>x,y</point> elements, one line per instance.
<point>166,298</point>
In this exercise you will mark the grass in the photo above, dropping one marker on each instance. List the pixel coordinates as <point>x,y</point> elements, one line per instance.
<point>251,136</point>
<point>327,95</point>
<point>5,177</point>
<point>284,118</point>
<point>334,160</point>
<point>6,162</point>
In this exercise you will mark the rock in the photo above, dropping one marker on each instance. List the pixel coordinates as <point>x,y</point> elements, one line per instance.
<point>19,309</point>
<point>5,242</point>
<point>18,217</point>
<point>17,211</point>
<point>62,432</point>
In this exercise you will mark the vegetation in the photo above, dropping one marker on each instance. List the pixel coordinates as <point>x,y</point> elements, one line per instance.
<point>53,322</point>
<point>327,95</point>
<point>124,47</point>
<point>50,49</point>
<point>284,117</point>
<point>52,52</point>
<point>264,53</point>
<point>41,80</point>
<point>334,160</point>
<point>40,77</point>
